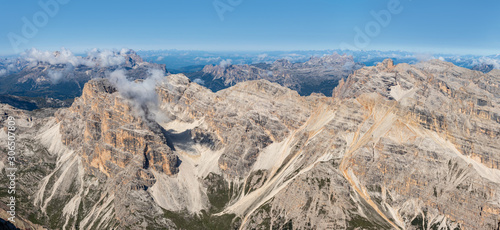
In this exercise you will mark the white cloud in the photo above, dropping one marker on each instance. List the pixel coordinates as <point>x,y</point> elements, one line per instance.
<point>293,57</point>
<point>207,59</point>
<point>261,57</point>
<point>125,51</point>
<point>225,63</point>
<point>142,93</point>
<point>106,58</point>
<point>421,57</point>
<point>160,58</point>
<point>3,72</point>
<point>11,68</point>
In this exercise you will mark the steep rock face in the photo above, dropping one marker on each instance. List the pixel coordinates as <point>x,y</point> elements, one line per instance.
<point>119,146</point>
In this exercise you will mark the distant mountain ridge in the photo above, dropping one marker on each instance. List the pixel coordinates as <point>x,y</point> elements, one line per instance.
<point>317,75</point>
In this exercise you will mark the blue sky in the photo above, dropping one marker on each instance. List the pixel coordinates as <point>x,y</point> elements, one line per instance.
<point>463,27</point>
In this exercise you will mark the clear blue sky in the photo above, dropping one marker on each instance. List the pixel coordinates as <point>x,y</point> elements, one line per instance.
<point>422,26</point>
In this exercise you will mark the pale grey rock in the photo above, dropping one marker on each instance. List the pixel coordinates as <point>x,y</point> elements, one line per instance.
<point>317,75</point>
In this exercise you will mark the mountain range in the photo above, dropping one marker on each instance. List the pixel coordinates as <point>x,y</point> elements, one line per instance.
<point>42,79</point>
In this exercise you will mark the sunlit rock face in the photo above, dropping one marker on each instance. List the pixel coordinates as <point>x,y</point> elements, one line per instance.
<point>396,147</point>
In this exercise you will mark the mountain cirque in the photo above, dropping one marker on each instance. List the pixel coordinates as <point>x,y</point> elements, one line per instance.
<point>404,147</point>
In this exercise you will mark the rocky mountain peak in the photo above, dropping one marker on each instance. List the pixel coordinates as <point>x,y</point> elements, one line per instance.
<point>111,135</point>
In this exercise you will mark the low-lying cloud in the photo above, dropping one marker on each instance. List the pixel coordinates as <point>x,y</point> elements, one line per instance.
<point>348,66</point>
